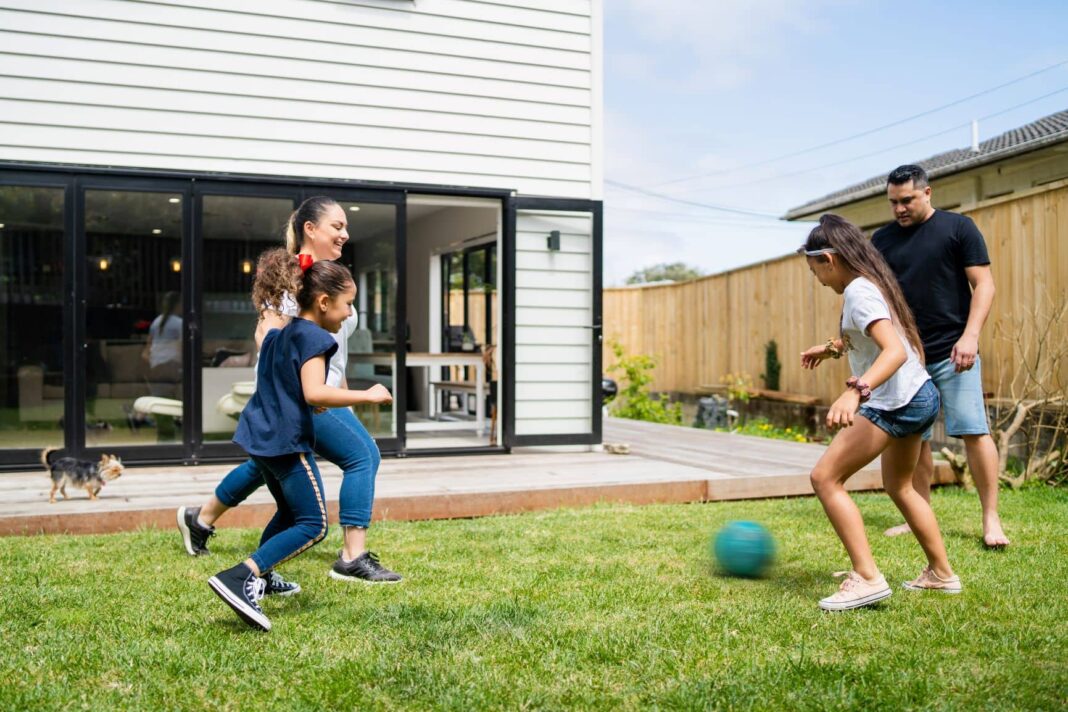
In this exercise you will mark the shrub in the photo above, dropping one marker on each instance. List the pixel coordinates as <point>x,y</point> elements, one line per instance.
<point>739,387</point>
<point>634,400</point>
<point>772,366</point>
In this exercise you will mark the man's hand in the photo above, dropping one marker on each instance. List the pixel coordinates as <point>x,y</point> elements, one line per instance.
<point>964,353</point>
<point>814,356</point>
<point>843,410</point>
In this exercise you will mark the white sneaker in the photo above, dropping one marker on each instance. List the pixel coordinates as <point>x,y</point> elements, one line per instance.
<point>928,580</point>
<point>856,591</point>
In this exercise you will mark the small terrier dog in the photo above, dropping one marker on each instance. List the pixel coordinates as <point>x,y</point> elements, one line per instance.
<point>88,475</point>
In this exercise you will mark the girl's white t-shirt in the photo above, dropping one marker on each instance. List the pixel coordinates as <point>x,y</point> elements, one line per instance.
<point>864,305</point>
<point>335,376</point>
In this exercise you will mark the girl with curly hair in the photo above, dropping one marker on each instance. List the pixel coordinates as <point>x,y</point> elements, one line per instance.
<point>317,230</point>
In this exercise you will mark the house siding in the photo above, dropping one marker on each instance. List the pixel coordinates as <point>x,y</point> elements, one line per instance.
<point>446,92</point>
<point>554,312</point>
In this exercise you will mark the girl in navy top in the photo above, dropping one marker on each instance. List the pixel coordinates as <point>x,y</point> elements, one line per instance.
<point>276,430</point>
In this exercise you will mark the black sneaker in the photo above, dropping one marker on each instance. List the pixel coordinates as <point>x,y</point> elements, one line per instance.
<point>194,535</point>
<point>278,586</point>
<point>364,567</point>
<point>241,589</point>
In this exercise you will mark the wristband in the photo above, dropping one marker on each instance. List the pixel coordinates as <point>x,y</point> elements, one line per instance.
<point>862,388</point>
<point>833,350</point>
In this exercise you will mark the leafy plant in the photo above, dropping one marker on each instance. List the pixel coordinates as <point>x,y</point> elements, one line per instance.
<point>764,428</point>
<point>634,400</point>
<point>739,387</point>
<point>772,366</point>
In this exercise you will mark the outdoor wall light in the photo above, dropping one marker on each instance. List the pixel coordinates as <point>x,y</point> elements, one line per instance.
<point>176,264</point>
<point>354,208</point>
<point>1,226</point>
<point>246,266</point>
<point>174,200</point>
<point>157,231</point>
<point>104,263</point>
<point>554,241</point>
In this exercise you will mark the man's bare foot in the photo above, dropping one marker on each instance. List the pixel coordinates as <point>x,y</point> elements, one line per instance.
<point>898,530</point>
<point>993,536</point>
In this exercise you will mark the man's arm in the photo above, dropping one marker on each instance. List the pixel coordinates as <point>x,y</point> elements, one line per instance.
<point>982,281</point>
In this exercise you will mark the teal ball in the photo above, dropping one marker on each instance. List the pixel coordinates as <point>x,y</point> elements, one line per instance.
<point>744,549</point>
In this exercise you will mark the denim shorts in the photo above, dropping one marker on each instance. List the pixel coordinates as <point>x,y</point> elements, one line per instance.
<point>914,417</point>
<point>962,398</point>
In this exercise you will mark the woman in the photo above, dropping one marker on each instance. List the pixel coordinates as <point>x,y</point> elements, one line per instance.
<point>317,230</point>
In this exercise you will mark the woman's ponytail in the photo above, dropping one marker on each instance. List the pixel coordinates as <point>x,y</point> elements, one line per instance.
<point>311,210</point>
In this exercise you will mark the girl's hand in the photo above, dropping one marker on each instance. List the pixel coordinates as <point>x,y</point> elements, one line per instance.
<point>814,356</point>
<point>378,394</point>
<point>843,410</point>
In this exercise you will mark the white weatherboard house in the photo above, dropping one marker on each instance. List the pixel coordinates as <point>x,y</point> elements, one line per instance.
<point>150,150</point>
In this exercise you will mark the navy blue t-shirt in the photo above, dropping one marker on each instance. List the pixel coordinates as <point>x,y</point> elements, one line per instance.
<point>929,260</point>
<point>277,420</point>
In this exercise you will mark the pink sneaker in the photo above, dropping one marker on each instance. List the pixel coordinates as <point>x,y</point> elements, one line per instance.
<point>856,591</point>
<point>929,581</point>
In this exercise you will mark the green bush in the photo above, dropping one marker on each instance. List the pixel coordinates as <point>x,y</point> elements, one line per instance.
<point>634,400</point>
<point>764,428</point>
<point>772,366</point>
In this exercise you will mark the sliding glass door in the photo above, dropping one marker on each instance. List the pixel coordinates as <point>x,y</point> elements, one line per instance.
<point>32,274</point>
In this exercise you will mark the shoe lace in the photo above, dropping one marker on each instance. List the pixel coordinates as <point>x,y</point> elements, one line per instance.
<point>849,582</point>
<point>373,563</point>
<point>255,587</point>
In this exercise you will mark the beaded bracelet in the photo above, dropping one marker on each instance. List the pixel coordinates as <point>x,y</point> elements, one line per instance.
<point>862,388</point>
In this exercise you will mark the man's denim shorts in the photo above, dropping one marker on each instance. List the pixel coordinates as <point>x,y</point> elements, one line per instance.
<point>914,417</point>
<point>962,398</point>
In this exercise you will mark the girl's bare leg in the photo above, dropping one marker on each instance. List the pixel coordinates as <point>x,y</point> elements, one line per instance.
<point>897,464</point>
<point>212,511</point>
<point>852,448</point>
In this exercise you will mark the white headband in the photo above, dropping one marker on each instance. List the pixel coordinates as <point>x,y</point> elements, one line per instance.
<point>824,251</point>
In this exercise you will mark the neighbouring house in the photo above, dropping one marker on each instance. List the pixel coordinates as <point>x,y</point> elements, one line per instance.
<point>1031,156</point>
<point>152,150</point>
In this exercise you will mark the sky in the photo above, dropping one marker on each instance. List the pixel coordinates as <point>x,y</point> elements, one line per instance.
<point>704,99</point>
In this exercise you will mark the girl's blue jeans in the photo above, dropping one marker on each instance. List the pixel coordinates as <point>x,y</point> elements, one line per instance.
<point>300,521</point>
<point>340,438</point>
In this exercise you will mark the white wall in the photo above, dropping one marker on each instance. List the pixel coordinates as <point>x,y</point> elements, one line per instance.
<point>481,93</point>
<point>554,312</point>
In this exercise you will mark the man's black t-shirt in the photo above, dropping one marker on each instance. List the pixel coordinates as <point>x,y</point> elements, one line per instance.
<point>929,261</point>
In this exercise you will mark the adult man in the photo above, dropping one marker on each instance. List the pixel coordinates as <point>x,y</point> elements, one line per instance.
<point>941,261</point>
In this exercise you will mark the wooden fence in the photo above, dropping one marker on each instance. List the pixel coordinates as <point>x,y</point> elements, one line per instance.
<point>706,328</point>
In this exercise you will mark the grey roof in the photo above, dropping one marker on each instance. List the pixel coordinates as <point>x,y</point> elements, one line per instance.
<point>1047,130</point>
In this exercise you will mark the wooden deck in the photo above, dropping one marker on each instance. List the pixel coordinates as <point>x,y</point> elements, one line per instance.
<point>665,464</point>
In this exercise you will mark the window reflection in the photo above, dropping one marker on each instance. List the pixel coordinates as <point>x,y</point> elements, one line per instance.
<point>31,317</point>
<point>133,317</point>
<point>236,230</point>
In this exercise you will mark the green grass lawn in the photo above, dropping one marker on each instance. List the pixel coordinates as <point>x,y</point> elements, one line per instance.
<point>613,607</point>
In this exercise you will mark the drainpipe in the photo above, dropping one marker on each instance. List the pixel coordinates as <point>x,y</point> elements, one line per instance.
<point>975,135</point>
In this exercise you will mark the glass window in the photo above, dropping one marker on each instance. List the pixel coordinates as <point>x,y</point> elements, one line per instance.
<point>134,321</point>
<point>236,230</point>
<point>371,255</point>
<point>31,317</point>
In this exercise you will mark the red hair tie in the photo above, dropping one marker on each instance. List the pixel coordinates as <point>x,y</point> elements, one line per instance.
<point>305,261</point>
